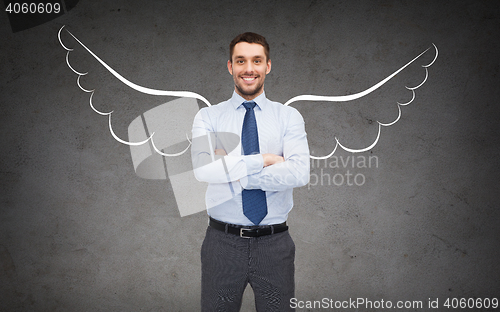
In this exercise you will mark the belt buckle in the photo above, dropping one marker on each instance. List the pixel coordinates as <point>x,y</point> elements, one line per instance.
<point>241,232</point>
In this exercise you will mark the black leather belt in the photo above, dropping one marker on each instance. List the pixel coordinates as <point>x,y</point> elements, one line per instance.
<point>248,231</point>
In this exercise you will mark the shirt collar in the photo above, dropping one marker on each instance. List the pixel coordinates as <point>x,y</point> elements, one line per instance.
<point>237,100</point>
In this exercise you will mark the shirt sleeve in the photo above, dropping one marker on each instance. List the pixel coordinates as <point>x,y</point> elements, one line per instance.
<point>294,171</point>
<point>212,168</point>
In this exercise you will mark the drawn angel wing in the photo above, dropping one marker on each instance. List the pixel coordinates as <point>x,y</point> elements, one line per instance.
<point>145,90</point>
<point>148,155</point>
<point>352,97</point>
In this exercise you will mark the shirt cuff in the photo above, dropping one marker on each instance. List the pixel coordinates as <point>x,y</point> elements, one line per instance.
<point>254,164</point>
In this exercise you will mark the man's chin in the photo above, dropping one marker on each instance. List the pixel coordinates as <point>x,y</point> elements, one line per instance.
<point>249,92</point>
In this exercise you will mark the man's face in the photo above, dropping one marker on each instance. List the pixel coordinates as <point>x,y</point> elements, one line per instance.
<point>249,68</point>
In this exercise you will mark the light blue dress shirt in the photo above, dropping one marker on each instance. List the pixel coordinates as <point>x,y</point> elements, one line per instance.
<point>281,131</point>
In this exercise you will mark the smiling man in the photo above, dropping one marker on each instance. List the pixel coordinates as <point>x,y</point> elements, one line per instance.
<point>251,65</point>
<point>250,187</point>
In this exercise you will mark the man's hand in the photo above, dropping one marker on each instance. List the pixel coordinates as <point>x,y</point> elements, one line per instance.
<point>271,159</point>
<point>220,152</point>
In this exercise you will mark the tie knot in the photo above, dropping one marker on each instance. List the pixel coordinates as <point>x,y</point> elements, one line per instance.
<point>249,105</point>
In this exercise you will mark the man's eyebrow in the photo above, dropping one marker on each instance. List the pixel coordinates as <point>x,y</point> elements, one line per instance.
<point>255,56</point>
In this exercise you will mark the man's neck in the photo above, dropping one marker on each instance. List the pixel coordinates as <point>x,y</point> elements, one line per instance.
<point>249,97</point>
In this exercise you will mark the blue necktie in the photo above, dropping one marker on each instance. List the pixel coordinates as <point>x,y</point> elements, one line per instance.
<point>254,201</point>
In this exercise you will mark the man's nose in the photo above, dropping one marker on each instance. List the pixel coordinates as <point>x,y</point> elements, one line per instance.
<point>249,67</point>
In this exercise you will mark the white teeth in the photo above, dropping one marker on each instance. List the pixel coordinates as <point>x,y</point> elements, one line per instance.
<point>248,79</point>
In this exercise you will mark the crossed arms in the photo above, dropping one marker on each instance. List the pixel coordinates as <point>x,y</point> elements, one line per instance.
<point>217,156</point>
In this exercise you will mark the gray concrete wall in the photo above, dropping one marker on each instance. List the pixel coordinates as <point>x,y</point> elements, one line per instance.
<point>80,231</point>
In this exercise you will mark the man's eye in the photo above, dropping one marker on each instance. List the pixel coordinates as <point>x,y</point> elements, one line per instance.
<point>239,62</point>
<point>257,62</point>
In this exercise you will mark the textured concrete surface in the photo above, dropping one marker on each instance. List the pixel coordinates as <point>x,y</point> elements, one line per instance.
<point>80,231</point>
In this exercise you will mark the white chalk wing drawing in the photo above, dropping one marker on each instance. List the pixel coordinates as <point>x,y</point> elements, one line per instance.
<point>352,97</point>
<point>148,150</point>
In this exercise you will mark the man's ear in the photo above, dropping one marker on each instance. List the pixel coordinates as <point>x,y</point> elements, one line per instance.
<point>230,67</point>
<point>268,66</point>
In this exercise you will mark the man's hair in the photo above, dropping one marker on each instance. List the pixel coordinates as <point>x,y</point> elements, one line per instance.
<point>249,37</point>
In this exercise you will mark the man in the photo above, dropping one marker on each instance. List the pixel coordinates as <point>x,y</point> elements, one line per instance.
<point>250,186</point>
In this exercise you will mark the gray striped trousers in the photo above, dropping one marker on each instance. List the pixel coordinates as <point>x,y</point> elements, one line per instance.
<point>230,262</point>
